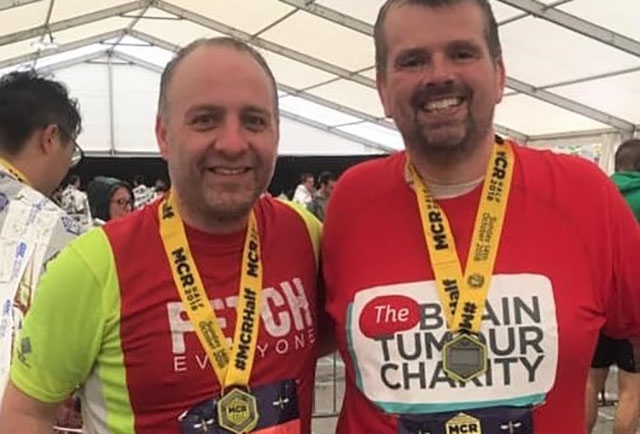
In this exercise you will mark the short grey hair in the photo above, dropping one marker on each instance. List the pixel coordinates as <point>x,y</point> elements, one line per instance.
<point>490,27</point>
<point>224,41</point>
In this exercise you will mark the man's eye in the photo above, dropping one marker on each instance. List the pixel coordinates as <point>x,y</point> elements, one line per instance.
<point>255,122</point>
<point>411,62</point>
<point>463,55</point>
<point>203,121</point>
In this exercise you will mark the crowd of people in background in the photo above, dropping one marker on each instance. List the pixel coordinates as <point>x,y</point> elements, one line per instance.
<point>105,198</point>
<point>314,199</point>
<point>108,316</point>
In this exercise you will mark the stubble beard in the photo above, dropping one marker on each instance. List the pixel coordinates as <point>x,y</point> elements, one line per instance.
<point>446,143</point>
<point>229,203</point>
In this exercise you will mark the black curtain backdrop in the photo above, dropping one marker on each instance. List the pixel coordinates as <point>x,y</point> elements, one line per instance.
<point>285,179</point>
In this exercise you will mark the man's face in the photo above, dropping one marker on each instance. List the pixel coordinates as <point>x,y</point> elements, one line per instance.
<point>219,132</point>
<point>441,84</point>
<point>59,152</point>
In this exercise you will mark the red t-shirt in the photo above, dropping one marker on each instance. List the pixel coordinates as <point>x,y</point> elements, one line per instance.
<point>567,263</point>
<point>166,364</point>
<point>111,320</point>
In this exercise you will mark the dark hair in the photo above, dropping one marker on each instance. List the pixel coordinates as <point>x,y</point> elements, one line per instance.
<point>305,176</point>
<point>138,180</point>
<point>74,178</point>
<point>628,156</point>
<point>223,41</point>
<point>325,178</point>
<point>490,29</point>
<point>29,101</point>
<point>99,193</point>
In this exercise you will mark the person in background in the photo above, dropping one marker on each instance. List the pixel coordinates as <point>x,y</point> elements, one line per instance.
<point>304,191</point>
<point>318,205</point>
<point>39,124</point>
<point>627,173</point>
<point>619,352</point>
<point>161,187</point>
<point>142,193</point>
<point>75,203</point>
<point>109,198</point>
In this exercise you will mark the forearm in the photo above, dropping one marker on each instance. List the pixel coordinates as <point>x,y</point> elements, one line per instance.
<point>22,414</point>
<point>20,423</point>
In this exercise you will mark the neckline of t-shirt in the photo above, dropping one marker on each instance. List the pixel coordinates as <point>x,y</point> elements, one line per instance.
<point>444,192</point>
<point>200,238</point>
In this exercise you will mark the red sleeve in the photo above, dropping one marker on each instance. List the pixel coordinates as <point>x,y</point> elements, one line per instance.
<point>623,303</point>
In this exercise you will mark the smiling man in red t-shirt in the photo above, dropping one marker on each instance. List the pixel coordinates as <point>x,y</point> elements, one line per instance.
<point>198,312</point>
<point>466,282</point>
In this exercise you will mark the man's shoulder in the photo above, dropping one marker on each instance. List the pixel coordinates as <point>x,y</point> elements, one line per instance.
<point>135,227</point>
<point>290,219</point>
<point>569,164</point>
<point>284,213</point>
<point>368,181</point>
<point>30,204</point>
<point>565,172</point>
<point>569,186</point>
<point>371,171</point>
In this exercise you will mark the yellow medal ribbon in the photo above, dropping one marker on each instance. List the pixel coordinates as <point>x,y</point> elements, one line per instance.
<point>463,296</point>
<point>232,366</point>
<point>14,171</point>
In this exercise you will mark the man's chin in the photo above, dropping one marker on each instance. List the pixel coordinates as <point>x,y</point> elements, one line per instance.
<point>231,208</point>
<point>446,140</point>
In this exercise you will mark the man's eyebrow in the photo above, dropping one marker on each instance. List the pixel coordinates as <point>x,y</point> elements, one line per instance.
<point>414,51</point>
<point>205,107</point>
<point>255,109</point>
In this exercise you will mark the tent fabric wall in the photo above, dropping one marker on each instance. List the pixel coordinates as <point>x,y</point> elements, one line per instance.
<point>128,127</point>
<point>572,66</point>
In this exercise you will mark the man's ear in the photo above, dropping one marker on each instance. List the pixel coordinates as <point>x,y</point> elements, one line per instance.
<point>381,85</point>
<point>500,80</point>
<point>49,138</point>
<point>161,136</point>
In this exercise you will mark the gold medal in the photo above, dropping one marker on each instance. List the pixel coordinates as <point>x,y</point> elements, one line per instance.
<point>238,411</point>
<point>464,358</point>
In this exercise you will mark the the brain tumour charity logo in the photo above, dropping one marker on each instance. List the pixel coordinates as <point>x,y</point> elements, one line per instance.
<point>387,315</point>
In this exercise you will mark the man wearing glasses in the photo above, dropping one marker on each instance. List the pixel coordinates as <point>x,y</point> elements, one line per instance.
<point>38,127</point>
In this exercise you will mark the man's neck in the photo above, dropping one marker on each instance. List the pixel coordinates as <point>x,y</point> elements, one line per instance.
<point>210,224</point>
<point>19,166</point>
<point>454,168</point>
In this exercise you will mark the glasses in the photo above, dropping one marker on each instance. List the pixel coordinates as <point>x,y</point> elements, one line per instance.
<point>78,153</point>
<point>123,202</point>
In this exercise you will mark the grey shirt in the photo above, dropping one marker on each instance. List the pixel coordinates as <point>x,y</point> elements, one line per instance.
<point>33,229</point>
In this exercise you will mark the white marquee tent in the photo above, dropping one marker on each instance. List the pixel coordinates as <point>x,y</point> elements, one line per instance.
<point>573,67</point>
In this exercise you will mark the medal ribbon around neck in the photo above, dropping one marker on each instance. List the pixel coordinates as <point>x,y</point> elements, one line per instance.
<point>232,366</point>
<point>14,171</point>
<point>463,296</point>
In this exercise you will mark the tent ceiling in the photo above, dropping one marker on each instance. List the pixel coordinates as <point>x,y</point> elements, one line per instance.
<point>572,65</point>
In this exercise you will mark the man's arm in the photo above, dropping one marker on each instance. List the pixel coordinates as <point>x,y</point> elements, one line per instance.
<point>623,280</point>
<point>22,414</point>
